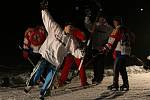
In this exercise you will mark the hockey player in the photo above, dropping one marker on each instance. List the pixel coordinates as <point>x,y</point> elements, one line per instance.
<point>74,59</point>
<point>119,42</point>
<point>100,31</point>
<point>33,39</point>
<point>56,46</point>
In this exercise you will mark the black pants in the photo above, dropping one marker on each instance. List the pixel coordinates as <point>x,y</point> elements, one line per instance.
<point>120,67</point>
<point>98,68</point>
<point>35,57</point>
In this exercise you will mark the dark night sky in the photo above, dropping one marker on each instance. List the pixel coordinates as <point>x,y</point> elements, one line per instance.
<point>17,16</point>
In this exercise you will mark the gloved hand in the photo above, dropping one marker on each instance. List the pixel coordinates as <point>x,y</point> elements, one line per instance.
<point>25,54</point>
<point>44,5</point>
<point>78,53</point>
<point>103,50</point>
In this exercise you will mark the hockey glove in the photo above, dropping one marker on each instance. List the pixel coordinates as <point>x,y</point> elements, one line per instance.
<point>25,54</point>
<point>44,5</point>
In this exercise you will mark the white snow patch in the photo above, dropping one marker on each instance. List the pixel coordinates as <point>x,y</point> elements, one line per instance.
<point>148,58</point>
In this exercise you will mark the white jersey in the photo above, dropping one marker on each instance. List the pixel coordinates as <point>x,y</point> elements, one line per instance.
<point>57,43</point>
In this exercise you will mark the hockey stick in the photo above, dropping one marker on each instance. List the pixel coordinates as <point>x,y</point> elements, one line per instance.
<point>141,62</point>
<point>93,57</point>
<point>82,59</point>
<point>87,45</point>
<point>28,57</point>
<point>31,62</point>
<point>92,32</point>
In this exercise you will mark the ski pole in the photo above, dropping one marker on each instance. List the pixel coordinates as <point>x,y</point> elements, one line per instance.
<point>31,62</point>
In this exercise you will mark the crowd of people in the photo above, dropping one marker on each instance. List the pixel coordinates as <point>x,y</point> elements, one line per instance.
<point>55,47</point>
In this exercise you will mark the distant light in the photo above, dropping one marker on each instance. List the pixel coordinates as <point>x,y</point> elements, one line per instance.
<point>100,9</point>
<point>141,9</point>
<point>77,8</point>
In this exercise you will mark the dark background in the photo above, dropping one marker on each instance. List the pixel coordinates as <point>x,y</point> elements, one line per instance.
<point>16,16</point>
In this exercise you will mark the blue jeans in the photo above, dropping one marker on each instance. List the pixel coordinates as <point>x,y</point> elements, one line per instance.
<point>49,75</point>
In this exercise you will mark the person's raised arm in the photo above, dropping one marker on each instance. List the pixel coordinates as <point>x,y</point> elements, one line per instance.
<point>49,23</point>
